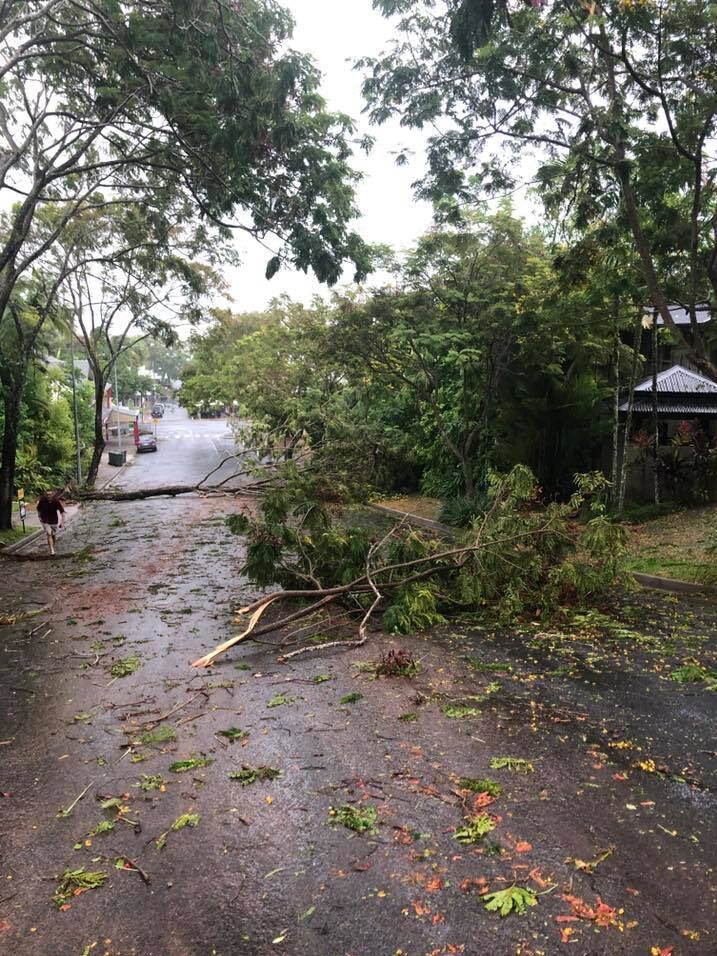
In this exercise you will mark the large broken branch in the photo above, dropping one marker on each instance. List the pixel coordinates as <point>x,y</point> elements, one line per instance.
<point>442,562</point>
<point>169,490</point>
<point>201,486</point>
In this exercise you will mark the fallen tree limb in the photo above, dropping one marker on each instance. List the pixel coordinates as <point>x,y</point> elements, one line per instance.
<point>168,490</point>
<point>364,584</point>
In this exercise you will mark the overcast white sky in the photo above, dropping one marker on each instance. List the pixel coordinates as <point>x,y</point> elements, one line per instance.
<point>334,33</point>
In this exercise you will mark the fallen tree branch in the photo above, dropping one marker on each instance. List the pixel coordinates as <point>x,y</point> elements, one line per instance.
<point>364,584</point>
<point>169,490</point>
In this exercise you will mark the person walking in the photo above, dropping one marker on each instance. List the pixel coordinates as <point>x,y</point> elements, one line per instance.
<point>51,512</point>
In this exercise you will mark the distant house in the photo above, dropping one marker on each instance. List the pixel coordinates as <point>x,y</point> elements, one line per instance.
<point>81,365</point>
<point>681,394</point>
<point>684,400</point>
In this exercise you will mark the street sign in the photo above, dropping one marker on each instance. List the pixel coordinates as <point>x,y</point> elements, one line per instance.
<point>20,493</point>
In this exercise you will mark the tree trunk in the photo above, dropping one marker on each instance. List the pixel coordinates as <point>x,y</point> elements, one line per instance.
<point>637,343</point>
<point>468,480</point>
<point>696,350</point>
<point>99,442</point>
<point>12,402</point>
<point>655,426</point>
<point>615,415</point>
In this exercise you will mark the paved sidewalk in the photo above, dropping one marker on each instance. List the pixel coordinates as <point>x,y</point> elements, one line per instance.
<point>107,472</point>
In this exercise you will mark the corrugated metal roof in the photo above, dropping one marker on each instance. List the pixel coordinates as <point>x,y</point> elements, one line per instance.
<point>673,409</point>
<point>679,380</point>
<point>681,315</point>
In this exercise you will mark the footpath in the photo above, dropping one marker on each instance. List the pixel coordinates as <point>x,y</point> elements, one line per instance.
<point>33,532</point>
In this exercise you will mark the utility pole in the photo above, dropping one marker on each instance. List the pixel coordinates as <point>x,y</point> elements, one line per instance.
<point>78,450</point>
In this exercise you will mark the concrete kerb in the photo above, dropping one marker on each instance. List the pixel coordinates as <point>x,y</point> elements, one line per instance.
<point>674,585</point>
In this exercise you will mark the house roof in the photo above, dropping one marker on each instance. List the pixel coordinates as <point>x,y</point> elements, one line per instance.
<point>81,365</point>
<point>681,315</point>
<point>680,393</point>
<point>120,412</point>
<point>680,380</point>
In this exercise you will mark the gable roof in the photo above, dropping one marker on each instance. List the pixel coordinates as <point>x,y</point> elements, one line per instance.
<point>680,380</point>
<point>680,392</point>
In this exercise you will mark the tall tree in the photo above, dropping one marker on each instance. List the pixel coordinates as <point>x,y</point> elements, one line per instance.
<point>449,334</point>
<point>613,100</point>
<point>127,296</point>
<point>180,110</point>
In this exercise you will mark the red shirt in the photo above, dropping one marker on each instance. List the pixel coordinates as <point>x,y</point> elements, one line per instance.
<point>49,510</point>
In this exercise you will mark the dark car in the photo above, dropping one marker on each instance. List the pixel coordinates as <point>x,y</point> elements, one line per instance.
<point>146,443</point>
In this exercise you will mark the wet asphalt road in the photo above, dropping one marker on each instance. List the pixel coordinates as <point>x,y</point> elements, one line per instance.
<point>623,777</point>
<point>188,449</point>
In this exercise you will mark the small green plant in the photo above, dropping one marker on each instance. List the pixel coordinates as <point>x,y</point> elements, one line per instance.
<point>474,830</point>
<point>481,785</point>
<point>514,899</point>
<point>193,763</point>
<point>248,775</point>
<point>351,698</point>
<point>241,666</point>
<point>408,717</point>
<point>358,819</point>
<point>233,733</point>
<point>518,764</point>
<point>321,678</point>
<point>74,882</point>
<point>693,674</point>
<point>150,782</point>
<point>158,736</point>
<point>278,700</point>
<point>125,666</point>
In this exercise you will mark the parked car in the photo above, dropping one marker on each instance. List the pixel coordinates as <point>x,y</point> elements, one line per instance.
<point>146,443</point>
<point>157,410</point>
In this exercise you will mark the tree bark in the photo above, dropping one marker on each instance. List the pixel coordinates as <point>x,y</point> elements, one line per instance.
<point>637,343</point>
<point>655,426</point>
<point>696,349</point>
<point>138,495</point>
<point>99,442</point>
<point>12,402</point>
<point>616,414</point>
